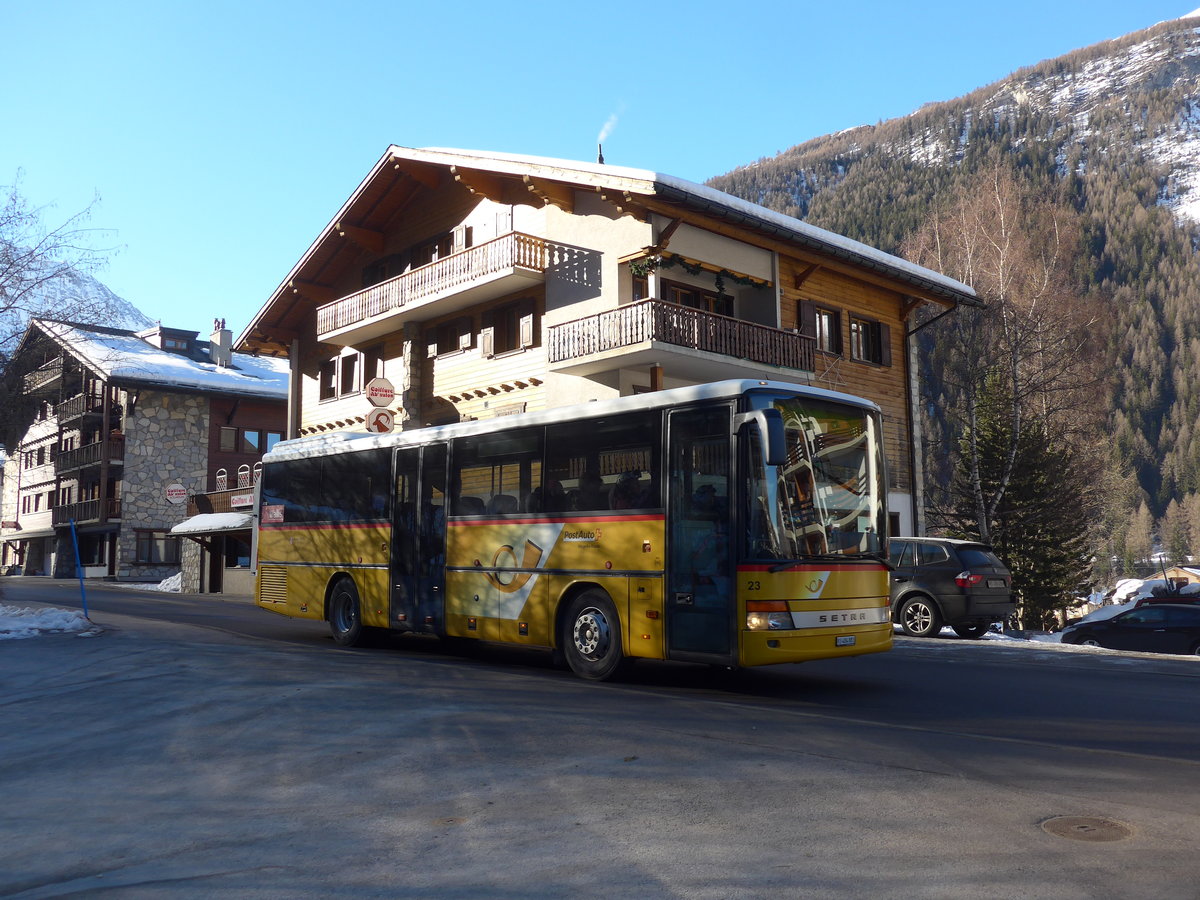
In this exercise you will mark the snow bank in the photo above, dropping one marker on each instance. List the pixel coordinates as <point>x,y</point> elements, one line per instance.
<point>19,622</point>
<point>172,585</point>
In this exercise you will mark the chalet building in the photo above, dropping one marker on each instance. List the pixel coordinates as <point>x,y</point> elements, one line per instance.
<point>119,433</point>
<point>486,284</point>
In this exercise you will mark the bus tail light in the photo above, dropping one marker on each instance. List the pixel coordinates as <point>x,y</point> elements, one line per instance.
<point>768,615</point>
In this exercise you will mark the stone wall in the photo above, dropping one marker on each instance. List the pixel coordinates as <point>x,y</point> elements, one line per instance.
<point>166,442</point>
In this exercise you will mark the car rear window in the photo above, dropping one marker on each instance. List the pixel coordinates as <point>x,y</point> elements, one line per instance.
<point>977,556</point>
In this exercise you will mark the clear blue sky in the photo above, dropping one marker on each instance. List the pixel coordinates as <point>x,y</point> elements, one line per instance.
<point>222,136</point>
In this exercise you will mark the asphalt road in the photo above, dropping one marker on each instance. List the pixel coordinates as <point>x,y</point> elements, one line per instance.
<point>204,747</point>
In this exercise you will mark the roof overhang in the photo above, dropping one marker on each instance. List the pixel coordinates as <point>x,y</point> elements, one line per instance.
<point>403,173</point>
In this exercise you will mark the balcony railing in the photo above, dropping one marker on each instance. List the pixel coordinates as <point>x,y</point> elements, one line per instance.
<point>88,511</point>
<point>44,375</point>
<point>222,501</point>
<point>91,454</point>
<point>79,406</point>
<point>681,326</point>
<point>512,251</point>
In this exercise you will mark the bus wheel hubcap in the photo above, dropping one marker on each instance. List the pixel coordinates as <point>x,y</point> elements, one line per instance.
<point>591,633</point>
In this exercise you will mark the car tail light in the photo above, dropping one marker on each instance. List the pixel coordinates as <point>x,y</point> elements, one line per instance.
<point>967,579</point>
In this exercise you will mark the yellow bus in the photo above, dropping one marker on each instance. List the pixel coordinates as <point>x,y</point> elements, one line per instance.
<point>739,523</point>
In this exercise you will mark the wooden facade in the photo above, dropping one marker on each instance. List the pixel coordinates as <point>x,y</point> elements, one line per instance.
<point>485,286</point>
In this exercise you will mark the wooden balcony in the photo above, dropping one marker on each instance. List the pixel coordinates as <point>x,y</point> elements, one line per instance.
<point>111,451</point>
<point>88,511</point>
<point>692,343</point>
<point>45,377</point>
<point>79,406</point>
<point>476,275</point>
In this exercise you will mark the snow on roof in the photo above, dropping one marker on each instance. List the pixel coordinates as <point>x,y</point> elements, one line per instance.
<point>123,356</point>
<point>207,523</point>
<point>511,163</point>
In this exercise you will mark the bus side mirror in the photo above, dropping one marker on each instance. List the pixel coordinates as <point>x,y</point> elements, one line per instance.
<point>770,426</point>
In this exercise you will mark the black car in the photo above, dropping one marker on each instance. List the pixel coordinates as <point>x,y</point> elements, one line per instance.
<point>1155,628</point>
<point>939,581</point>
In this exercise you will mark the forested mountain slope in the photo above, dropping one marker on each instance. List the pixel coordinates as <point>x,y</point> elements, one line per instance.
<point>1112,132</point>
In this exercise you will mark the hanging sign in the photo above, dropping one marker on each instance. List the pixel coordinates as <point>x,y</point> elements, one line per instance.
<point>380,421</point>
<point>380,392</point>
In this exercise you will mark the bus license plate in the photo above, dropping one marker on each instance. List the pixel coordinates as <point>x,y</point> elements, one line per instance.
<point>846,640</point>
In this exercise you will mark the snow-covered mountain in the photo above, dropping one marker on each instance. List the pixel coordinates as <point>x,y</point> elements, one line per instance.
<point>71,295</point>
<point>1135,97</point>
<point>78,290</point>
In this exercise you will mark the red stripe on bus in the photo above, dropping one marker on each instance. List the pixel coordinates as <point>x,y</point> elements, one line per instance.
<point>550,520</point>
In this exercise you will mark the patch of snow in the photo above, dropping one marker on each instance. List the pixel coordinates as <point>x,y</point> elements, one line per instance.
<point>22,622</point>
<point>171,585</point>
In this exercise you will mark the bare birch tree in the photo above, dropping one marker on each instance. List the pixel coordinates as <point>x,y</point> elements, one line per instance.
<point>38,264</point>
<point>1036,337</point>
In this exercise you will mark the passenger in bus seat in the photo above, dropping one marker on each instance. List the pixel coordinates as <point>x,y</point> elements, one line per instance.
<point>591,493</point>
<point>627,492</point>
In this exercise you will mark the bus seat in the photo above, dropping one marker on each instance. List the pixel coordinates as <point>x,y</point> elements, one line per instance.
<point>469,506</point>
<point>502,504</point>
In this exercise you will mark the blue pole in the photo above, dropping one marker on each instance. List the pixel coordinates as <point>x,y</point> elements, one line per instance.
<point>79,569</point>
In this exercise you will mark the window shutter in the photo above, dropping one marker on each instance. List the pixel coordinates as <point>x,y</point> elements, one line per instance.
<point>807,312</point>
<point>525,311</point>
<point>487,335</point>
<point>885,345</point>
<point>464,334</point>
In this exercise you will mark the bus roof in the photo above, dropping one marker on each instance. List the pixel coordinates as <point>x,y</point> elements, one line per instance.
<point>352,441</point>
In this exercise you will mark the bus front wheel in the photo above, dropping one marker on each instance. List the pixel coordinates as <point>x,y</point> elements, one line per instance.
<point>591,638</point>
<point>344,619</point>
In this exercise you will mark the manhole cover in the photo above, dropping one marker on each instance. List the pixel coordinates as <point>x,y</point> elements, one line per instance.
<point>1087,828</point>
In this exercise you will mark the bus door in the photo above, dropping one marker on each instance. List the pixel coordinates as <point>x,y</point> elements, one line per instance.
<point>419,539</point>
<point>700,585</point>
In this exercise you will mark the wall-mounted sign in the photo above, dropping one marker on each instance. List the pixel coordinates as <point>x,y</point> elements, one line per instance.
<point>272,513</point>
<point>380,392</point>
<point>176,493</point>
<point>380,421</point>
<point>236,500</point>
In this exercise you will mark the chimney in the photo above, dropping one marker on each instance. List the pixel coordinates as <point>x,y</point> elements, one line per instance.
<point>220,348</point>
<point>600,154</point>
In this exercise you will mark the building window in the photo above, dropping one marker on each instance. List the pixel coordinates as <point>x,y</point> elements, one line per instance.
<point>869,342</point>
<point>273,438</point>
<point>829,330</point>
<point>508,328</point>
<point>452,336</point>
<point>641,287</point>
<point>694,298</point>
<point>328,379</point>
<point>229,439</point>
<point>338,377</point>
<point>157,548</point>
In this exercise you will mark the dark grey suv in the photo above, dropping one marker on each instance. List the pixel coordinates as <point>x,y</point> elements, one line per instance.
<point>938,581</point>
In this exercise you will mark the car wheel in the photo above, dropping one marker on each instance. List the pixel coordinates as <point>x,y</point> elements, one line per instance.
<point>591,637</point>
<point>1089,642</point>
<point>1196,650</point>
<point>344,620</point>
<point>973,631</point>
<point>920,617</point>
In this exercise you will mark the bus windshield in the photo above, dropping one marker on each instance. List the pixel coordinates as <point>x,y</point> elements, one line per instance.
<point>829,498</point>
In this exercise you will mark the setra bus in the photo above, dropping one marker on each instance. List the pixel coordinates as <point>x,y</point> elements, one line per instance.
<point>739,523</point>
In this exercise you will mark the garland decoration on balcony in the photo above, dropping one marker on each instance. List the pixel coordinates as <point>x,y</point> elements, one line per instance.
<point>643,267</point>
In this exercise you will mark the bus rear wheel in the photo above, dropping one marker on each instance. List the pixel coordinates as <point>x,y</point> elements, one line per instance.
<point>591,639</point>
<point>345,621</point>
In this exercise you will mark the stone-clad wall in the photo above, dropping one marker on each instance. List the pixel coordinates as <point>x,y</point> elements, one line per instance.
<point>166,441</point>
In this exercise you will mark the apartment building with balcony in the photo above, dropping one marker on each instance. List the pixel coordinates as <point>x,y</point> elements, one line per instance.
<point>119,436</point>
<point>487,284</point>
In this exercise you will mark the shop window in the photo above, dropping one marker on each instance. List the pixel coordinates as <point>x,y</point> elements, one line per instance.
<point>156,548</point>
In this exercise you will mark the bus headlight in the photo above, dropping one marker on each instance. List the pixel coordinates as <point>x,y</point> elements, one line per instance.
<point>768,621</point>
